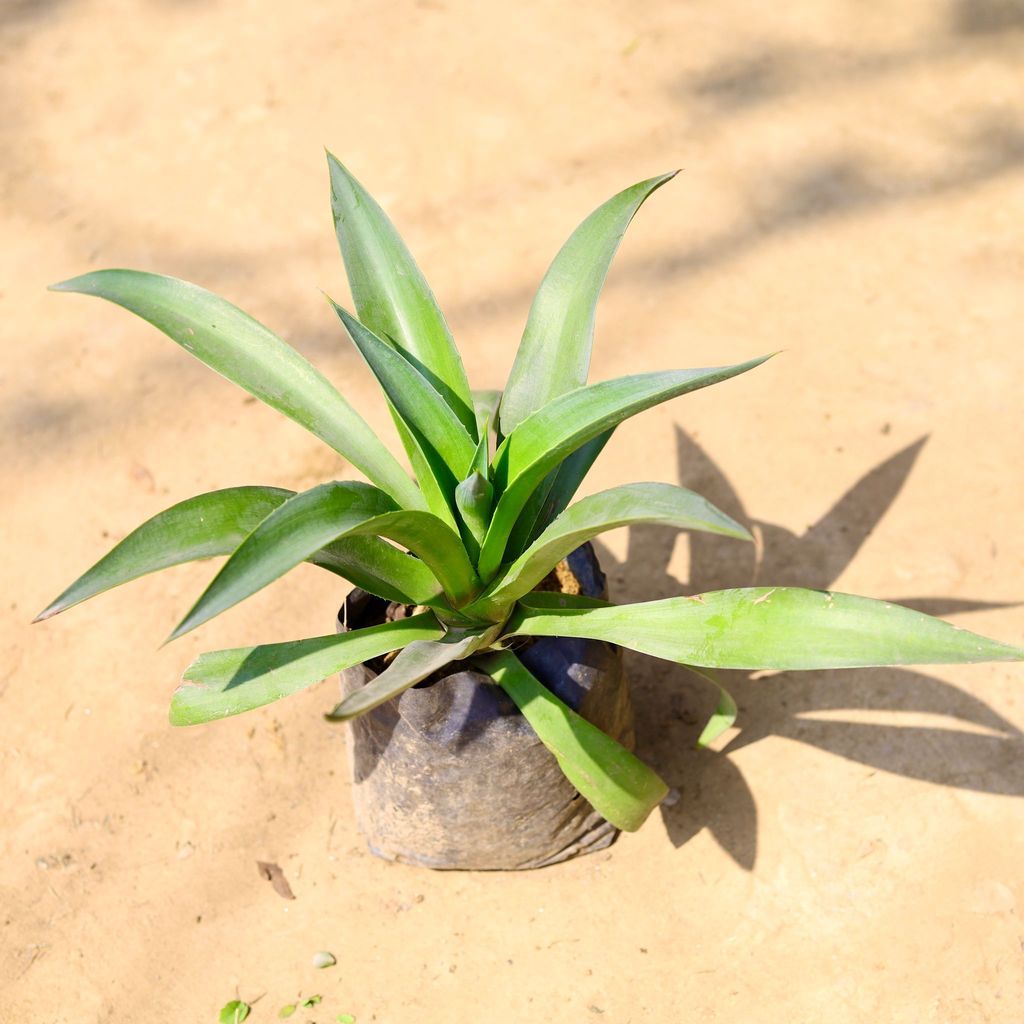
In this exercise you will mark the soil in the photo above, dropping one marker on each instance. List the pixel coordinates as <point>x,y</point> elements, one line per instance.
<point>851,194</point>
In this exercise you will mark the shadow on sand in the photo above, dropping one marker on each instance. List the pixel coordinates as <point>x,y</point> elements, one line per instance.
<point>979,750</point>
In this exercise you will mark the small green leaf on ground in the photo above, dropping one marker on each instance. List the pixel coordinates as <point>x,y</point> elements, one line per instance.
<point>324,959</point>
<point>345,1018</point>
<point>234,1012</point>
<point>287,1011</point>
<point>311,1001</point>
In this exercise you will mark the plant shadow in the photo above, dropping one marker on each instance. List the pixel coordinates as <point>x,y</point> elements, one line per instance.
<point>974,748</point>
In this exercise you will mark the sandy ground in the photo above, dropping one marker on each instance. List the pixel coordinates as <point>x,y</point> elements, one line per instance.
<point>852,194</point>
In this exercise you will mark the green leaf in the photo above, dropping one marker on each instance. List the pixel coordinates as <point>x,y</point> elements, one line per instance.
<point>217,522</point>
<point>223,683</point>
<point>201,527</point>
<point>619,506</point>
<point>764,627</point>
<point>320,516</point>
<point>412,665</point>
<point>435,478</point>
<point>437,545</point>
<point>381,569</point>
<point>725,711</point>
<point>482,456</point>
<point>298,528</point>
<point>545,439</point>
<point>554,354</point>
<point>245,352</point>
<point>473,499</point>
<point>234,1012</point>
<point>311,1001</point>
<point>391,296</point>
<point>345,1018</point>
<point>413,397</point>
<point>554,493</point>
<point>616,783</point>
<point>485,405</point>
<point>288,1010</point>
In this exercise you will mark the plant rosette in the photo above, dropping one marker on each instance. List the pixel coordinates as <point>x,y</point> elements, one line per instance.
<point>464,543</point>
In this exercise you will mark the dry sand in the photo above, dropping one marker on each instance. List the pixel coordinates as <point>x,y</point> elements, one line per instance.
<point>852,194</point>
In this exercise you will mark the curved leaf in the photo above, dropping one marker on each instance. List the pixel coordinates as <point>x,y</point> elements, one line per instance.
<point>217,522</point>
<point>554,493</point>
<point>223,683</point>
<point>209,524</point>
<point>616,783</point>
<point>245,352</point>
<point>291,533</point>
<point>473,499</point>
<point>435,478</point>
<point>316,518</point>
<point>413,664</point>
<point>547,437</point>
<point>413,397</point>
<point>764,627</point>
<point>438,545</point>
<point>391,296</point>
<point>725,711</point>
<point>382,569</point>
<point>554,354</point>
<point>619,506</point>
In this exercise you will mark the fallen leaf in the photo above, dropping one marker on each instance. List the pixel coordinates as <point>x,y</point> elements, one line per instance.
<point>275,876</point>
<point>234,1012</point>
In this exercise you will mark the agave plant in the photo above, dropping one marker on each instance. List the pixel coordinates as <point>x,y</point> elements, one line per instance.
<point>487,517</point>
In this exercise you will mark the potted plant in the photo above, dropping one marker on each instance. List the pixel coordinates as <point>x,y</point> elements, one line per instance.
<point>481,656</point>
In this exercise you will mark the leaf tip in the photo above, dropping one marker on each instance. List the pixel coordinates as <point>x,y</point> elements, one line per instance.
<point>72,284</point>
<point>180,630</point>
<point>739,532</point>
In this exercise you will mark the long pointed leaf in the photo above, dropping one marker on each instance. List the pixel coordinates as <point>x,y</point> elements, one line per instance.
<point>547,437</point>
<point>222,683</point>
<point>553,494</point>
<point>291,533</point>
<point>217,522</point>
<point>616,783</point>
<point>435,479</point>
<point>554,354</point>
<point>245,352</point>
<point>619,506</point>
<point>391,296</point>
<point>319,517</point>
<point>201,527</point>
<point>413,396</point>
<point>413,665</point>
<point>764,627</point>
